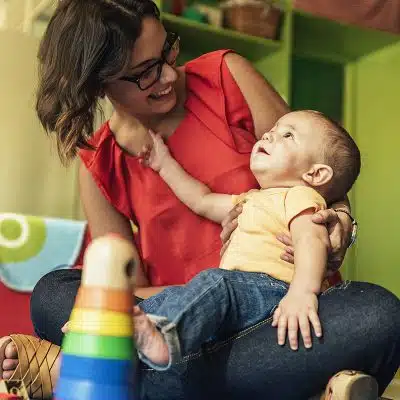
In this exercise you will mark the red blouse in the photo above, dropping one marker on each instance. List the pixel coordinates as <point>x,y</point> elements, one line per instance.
<point>212,143</point>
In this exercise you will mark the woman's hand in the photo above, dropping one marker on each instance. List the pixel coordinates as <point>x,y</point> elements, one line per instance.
<point>229,224</point>
<point>339,228</point>
<point>154,156</point>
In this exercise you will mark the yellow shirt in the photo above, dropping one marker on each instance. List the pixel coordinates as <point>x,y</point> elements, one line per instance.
<point>266,213</point>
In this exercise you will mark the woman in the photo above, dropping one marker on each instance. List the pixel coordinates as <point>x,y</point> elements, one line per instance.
<point>210,110</point>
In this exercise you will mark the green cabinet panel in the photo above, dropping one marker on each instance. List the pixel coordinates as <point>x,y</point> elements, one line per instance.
<point>318,85</point>
<point>377,121</point>
<point>321,38</point>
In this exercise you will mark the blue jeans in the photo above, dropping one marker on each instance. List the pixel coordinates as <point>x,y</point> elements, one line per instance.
<point>361,324</point>
<point>214,305</point>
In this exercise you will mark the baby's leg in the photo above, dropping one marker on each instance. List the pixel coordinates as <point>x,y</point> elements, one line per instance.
<point>215,303</point>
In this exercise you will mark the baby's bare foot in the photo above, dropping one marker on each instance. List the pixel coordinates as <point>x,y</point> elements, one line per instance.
<point>148,339</point>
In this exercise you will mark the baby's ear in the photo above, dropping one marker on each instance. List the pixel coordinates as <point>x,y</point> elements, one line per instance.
<point>318,175</point>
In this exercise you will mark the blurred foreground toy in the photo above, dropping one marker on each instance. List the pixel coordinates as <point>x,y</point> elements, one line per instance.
<point>13,390</point>
<point>98,361</point>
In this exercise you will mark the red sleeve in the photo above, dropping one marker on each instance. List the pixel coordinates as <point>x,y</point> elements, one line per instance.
<point>237,111</point>
<point>107,167</point>
<point>213,90</point>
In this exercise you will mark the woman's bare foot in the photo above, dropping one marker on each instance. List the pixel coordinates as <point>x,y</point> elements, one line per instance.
<point>148,339</point>
<point>10,362</point>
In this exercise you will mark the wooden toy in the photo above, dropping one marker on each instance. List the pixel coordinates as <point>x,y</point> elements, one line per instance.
<point>13,390</point>
<point>98,361</point>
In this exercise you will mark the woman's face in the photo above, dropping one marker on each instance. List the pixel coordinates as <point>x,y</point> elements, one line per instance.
<point>160,96</point>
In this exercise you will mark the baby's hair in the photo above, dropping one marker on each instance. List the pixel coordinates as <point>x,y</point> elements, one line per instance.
<point>342,155</point>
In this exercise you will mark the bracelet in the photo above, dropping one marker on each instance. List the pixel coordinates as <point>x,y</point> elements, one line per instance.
<point>353,223</point>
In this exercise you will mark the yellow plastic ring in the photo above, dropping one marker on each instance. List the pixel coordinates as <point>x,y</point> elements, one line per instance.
<point>100,322</point>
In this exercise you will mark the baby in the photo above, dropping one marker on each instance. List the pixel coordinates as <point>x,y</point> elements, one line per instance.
<point>304,163</point>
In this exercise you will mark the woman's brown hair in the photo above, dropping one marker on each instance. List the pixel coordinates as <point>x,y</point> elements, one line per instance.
<point>87,44</point>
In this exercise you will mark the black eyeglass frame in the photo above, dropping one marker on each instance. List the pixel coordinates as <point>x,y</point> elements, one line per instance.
<point>172,40</point>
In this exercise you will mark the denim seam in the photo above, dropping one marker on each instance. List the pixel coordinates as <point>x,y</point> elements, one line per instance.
<point>239,335</point>
<point>216,283</point>
<point>218,346</point>
<point>275,282</point>
<point>343,286</point>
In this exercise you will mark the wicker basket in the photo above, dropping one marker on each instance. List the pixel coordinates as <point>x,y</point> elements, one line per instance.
<point>257,19</point>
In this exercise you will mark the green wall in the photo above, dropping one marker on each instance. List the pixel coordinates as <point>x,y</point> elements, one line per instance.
<point>376,118</point>
<point>318,85</point>
<point>362,91</point>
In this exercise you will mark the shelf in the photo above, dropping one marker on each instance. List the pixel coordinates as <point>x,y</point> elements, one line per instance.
<point>321,38</point>
<point>198,38</point>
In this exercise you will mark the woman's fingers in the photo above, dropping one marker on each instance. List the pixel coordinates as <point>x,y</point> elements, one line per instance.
<point>285,239</point>
<point>233,214</point>
<point>229,224</point>
<point>227,230</point>
<point>287,257</point>
<point>325,216</point>
<point>289,250</point>
<point>288,254</point>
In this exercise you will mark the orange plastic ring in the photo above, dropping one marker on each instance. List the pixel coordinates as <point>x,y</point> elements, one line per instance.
<point>105,299</point>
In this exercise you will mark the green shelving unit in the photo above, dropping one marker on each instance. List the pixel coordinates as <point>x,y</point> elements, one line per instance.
<point>332,41</point>
<point>351,74</point>
<point>213,38</point>
<point>271,57</point>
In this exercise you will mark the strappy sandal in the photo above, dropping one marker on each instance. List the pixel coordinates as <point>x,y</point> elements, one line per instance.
<point>36,359</point>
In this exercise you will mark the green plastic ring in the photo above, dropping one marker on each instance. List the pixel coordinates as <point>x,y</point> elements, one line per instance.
<point>96,346</point>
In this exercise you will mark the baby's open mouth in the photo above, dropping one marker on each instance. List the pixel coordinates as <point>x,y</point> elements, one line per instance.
<point>262,150</point>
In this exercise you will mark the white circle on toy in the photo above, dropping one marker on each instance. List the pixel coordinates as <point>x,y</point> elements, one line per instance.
<point>23,237</point>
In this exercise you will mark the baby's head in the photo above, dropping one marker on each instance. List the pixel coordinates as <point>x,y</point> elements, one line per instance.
<point>307,148</point>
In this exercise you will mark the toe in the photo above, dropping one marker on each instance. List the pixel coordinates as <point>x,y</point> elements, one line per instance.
<point>10,361</point>
<point>10,364</point>
<point>11,351</point>
<point>7,374</point>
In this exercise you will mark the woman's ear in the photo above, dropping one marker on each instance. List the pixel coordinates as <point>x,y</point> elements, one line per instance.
<point>318,175</point>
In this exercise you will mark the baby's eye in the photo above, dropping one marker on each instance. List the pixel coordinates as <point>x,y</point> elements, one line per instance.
<point>288,135</point>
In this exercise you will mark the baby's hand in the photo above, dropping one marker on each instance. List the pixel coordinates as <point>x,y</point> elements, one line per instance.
<point>154,156</point>
<point>297,309</point>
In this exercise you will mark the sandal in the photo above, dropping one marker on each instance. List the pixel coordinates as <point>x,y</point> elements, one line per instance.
<point>351,385</point>
<point>36,359</point>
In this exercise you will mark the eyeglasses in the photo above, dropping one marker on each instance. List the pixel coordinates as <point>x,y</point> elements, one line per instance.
<point>152,74</point>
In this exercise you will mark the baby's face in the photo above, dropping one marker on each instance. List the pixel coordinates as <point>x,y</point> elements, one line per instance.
<point>289,150</point>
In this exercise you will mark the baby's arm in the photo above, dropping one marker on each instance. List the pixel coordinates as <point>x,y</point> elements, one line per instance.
<point>311,247</point>
<point>190,191</point>
<point>300,305</point>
